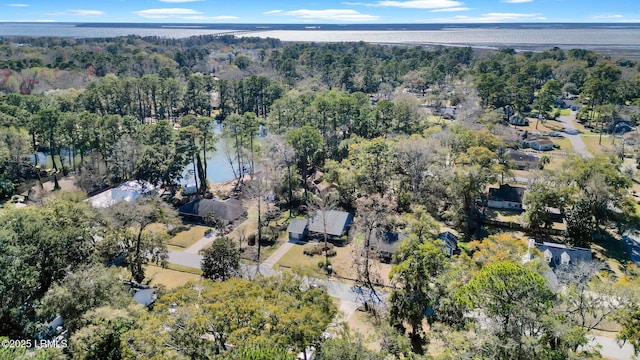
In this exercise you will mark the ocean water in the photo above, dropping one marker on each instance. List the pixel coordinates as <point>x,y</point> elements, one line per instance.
<point>620,38</point>
<point>74,31</point>
<point>604,40</point>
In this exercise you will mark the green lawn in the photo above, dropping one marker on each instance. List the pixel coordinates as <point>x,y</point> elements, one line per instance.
<point>565,112</point>
<point>170,278</point>
<point>187,238</point>
<point>592,143</point>
<point>184,269</point>
<point>563,143</point>
<point>613,252</point>
<point>295,258</point>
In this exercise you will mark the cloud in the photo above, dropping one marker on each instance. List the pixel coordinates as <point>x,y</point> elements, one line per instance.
<point>83,13</point>
<point>492,18</point>
<point>326,14</point>
<point>616,16</point>
<point>453,9</point>
<point>516,1</point>
<point>200,17</point>
<point>29,20</point>
<point>18,5</point>
<point>418,4</point>
<point>181,13</point>
<point>167,13</point>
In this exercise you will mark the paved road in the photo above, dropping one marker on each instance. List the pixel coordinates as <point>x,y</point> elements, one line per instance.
<point>576,140</point>
<point>334,288</point>
<point>610,349</point>
<point>200,244</point>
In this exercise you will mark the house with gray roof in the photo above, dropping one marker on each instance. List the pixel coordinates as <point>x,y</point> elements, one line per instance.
<point>559,254</point>
<point>506,197</point>
<point>335,223</point>
<point>198,209</point>
<point>522,160</point>
<point>387,245</point>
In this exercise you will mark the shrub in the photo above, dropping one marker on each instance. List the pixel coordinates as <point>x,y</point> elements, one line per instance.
<point>332,252</point>
<point>318,249</point>
<point>251,239</point>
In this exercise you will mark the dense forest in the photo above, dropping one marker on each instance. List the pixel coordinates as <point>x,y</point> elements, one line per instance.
<point>349,126</point>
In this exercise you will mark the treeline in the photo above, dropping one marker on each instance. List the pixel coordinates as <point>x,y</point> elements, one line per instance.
<point>164,97</point>
<point>104,149</point>
<point>528,82</point>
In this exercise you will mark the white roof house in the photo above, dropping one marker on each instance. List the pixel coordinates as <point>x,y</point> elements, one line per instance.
<point>127,191</point>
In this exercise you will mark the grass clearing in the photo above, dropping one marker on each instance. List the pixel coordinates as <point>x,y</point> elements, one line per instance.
<point>612,251</point>
<point>362,323</point>
<point>296,259</point>
<point>187,238</point>
<point>168,277</point>
<point>184,269</point>
<point>592,142</point>
<point>543,125</point>
<point>505,215</point>
<point>342,263</point>
<point>557,162</point>
<point>564,144</point>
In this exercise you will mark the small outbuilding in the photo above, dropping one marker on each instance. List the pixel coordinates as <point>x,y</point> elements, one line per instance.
<point>450,240</point>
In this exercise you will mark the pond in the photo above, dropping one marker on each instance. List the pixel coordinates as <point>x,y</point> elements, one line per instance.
<point>218,167</point>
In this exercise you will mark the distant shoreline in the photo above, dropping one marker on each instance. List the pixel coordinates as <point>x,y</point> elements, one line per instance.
<point>614,39</point>
<point>355,27</point>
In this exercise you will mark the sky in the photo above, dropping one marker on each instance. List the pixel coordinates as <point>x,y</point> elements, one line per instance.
<point>323,11</point>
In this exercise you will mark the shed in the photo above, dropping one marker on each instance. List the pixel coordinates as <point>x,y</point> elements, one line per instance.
<point>145,296</point>
<point>450,240</point>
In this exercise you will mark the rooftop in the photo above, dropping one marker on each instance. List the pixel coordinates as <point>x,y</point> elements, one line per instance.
<point>507,192</point>
<point>521,156</point>
<point>334,221</point>
<point>229,210</point>
<point>297,226</point>
<point>557,254</point>
<point>127,191</point>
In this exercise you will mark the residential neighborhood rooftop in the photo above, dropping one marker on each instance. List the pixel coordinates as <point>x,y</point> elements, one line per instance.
<point>333,221</point>
<point>507,192</point>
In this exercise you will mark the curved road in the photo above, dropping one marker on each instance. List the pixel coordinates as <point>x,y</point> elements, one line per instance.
<point>334,288</point>
<point>576,140</point>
